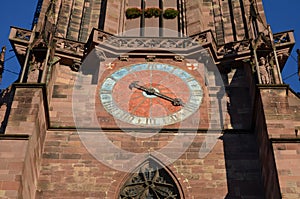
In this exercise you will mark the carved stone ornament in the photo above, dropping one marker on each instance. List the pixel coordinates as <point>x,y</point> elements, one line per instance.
<point>265,71</point>
<point>150,183</point>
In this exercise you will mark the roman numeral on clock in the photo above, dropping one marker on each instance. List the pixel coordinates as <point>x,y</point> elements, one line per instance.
<point>190,107</point>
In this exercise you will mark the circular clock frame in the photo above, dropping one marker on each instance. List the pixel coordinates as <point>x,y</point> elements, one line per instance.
<point>125,94</point>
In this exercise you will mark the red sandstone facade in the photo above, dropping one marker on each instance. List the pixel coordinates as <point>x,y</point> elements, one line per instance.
<point>255,153</point>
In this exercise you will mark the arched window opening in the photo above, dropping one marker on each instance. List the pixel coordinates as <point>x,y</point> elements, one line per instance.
<point>150,181</point>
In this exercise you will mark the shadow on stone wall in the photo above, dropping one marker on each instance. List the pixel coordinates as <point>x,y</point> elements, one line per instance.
<point>242,163</point>
<point>239,105</point>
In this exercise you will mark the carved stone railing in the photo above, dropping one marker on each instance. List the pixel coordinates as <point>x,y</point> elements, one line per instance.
<point>169,43</point>
<point>284,38</point>
<point>205,39</point>
<point>25,37</point>
<point>69,46</point>
<point>233,48</point>
<point>21,35</point>
<point>148,42</point>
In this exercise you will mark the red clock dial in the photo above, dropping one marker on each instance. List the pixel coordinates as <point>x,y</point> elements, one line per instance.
<point>151,94</point>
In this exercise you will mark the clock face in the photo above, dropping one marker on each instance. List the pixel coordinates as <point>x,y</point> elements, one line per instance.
<point>151,94</point>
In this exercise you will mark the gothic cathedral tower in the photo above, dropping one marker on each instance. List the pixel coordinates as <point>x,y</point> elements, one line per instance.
<point>141,99</point>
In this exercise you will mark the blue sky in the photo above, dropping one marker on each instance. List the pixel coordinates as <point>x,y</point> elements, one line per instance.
<point>281,16</point>
<point>17,13</point>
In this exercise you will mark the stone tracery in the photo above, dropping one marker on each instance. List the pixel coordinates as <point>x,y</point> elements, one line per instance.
<point>150,182</point>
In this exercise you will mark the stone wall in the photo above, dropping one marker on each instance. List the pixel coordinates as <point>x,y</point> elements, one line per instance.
<point>281,108</point>
<point>236,114</point>
<point>239,88</point>
<point>113,19</point>
<point>231,169</point>
<point>287,156</point>
<point>12,155</point>
<point>60,92</point>
<point>21,153</point>
<point>269,173</point>
<point>228,20</point>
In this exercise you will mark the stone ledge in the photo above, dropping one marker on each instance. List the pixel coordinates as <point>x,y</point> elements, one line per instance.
<point>14,137</point>
<point>291,139</point>
<point>273,86</point>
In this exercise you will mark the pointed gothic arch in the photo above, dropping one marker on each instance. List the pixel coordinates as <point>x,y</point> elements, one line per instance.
<point>151,180</point>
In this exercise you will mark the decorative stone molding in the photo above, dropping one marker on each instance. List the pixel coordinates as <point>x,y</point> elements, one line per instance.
<point>124,58</point>
<point>179,58</point>
<point>150,58</point>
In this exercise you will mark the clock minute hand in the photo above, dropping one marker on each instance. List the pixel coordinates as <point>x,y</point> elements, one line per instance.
<point>174,101</point>
<point>151,91</point>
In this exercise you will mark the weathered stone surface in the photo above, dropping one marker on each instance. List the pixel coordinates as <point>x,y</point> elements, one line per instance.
<point>229,165</point>
<point>281,107</point>
<point>256,153</point>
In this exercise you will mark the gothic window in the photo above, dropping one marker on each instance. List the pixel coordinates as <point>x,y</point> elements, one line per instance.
<point>150,182</point>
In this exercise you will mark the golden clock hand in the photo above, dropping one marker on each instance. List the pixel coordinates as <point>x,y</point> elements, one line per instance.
<point>151,91</point>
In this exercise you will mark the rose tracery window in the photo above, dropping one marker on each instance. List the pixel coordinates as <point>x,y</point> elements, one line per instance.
<point>150,182</point>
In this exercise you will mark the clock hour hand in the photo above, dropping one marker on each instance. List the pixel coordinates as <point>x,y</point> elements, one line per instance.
<point>151,91</point>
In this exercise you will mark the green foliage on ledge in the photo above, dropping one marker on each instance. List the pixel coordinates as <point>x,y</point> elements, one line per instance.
<point>170,13</point>
<point>152,12</point>
<point>132,13</point>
